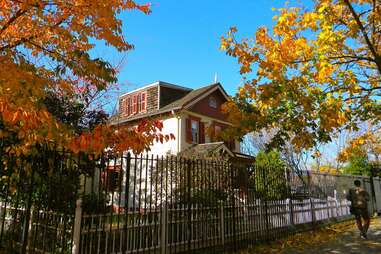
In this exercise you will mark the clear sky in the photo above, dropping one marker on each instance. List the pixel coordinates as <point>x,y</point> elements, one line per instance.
<point>179,41</point>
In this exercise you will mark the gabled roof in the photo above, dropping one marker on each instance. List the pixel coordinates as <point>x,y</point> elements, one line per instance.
<point>192,96</point>
<point>214,150</point>
<point>207,150</point>
<point>185,102</point>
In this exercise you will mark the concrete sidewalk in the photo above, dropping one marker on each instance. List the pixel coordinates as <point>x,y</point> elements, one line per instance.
<point>348,242</point>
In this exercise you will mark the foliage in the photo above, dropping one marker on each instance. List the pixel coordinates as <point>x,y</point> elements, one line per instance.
<point>183,181</point>
<point>268,179</point>
<point>44,48</point>
<point>72,111</point>
<point>271,158</point>
<point>316,72</point>
<point>367,145</point>
<point>94,204</point>
<point>327,169</point>
<point>305,241</point>
<point>358,165</point>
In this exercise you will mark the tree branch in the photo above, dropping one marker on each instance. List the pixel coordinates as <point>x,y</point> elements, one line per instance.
<point>18,14</point>
<point>365,35</point>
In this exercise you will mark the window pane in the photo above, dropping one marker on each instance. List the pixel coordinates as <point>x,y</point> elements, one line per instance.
<point>212,102</point>
<point>194,127</point>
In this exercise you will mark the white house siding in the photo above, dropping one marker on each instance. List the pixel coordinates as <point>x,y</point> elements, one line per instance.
<point>139,176</point>
<point>170,126</point>
<point>175,124</point>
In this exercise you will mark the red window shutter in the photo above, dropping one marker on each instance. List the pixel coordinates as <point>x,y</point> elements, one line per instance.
<point>138,100</point>
<point>128,110</point>
<point>135,104</point>
<point>188,130</point>
<point>143,99</point>
<point>201,133</point>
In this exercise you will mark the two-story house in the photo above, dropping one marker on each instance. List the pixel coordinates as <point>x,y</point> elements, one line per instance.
<point>194,117</point>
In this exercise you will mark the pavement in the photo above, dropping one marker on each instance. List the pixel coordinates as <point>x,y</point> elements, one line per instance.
<point>348,242</point>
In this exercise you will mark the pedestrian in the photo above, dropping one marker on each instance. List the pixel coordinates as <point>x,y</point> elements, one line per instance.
<point>359,207</point>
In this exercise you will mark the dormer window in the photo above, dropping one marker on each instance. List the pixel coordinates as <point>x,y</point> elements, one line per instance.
<point>212,102</point>
<point>135,103</point>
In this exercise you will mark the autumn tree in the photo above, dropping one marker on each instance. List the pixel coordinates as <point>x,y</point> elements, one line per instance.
<point>362,153</point>
<point>315,72</point>
<point>358,165</point>
<point>44,48</point>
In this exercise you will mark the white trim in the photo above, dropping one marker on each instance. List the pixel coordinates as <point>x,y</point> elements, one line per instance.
<point>222,145</point>
<point>169,85</point>
<point>178,133</point>
<point>205,116</point>
<point>138,89</point>
<point>227,150</point>
<point>206,94</point>
<point>158,83</point>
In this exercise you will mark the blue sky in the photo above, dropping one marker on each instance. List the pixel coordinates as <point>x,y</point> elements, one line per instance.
<point>179,41</point>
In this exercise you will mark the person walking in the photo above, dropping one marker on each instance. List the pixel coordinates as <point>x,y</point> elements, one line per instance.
<point>359,207</point>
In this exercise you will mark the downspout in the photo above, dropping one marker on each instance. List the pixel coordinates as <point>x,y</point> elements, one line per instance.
<point>178,133</point>
<point>178,130</point>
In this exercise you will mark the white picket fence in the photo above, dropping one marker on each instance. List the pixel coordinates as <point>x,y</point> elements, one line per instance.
<point>181,228</point>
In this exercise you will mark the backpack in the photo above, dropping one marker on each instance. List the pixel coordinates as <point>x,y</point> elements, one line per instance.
<point>359,198</point>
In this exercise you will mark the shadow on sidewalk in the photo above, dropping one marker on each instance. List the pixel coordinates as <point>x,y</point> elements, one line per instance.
<point>348,243</point>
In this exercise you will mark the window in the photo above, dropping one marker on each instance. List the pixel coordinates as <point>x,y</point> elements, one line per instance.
<point>212,102</point>
<point>135,103</point>
<point>112,178</point>
<point>194,130</point>
<point>216,135</point>
<point>217,129</point>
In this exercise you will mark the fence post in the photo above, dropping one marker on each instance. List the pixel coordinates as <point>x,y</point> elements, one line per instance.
<point>311,200</point>
<point>189,196</point>
<point>232,181</point>
<point>222,223</point>
<point>77,220</point>
<point>163,230</point>
<point>28,211</point>
<point>291,206</point>
<point>292,222</point>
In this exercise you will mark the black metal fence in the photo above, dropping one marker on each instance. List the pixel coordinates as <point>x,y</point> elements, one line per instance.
<point>153,204</point>
<point>38,200</point>
<point>55,202</point>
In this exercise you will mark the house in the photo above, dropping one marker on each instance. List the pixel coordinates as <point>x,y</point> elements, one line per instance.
<point>193,116</point>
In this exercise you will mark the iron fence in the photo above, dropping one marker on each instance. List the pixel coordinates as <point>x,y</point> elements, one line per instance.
<point>172,205</point>
<point>56,202</point>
